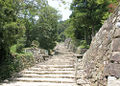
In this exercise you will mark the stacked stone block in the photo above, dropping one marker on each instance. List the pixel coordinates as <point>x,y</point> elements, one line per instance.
<point>102,60</point>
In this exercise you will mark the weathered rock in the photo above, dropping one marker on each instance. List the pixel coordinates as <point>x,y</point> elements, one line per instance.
<point>115,57</point>
<point>117,25</point>
<point>115,44</point>
<point>80,51</point>
<point>112,81</point>
<point>6,81</point>
<point>112,69</point>
<point>117,33</point>
<point>39,54</point>
<point>81,82</point>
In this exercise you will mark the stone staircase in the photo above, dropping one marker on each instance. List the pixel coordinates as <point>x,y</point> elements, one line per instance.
<point>63,69</point>
<point>57,71</point>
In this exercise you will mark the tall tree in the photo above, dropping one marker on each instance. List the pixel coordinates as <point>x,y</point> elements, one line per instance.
<point>87,16</point>
<point>11,27</point>
<point>28,11</point>
<point>62,26</point>
<point>46,28</point>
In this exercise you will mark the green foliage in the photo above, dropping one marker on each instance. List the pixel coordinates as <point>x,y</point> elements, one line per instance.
<point>46,28</point>
<point>89,13</point>
<point>61,37</point>
<point>19,27</point>
<point>11,27</point>
<point>69,32</point>
<point>13,49</point>
<point>86,18</point>
<point>35,43</point>
<point>83,44</point>
<point>19,48</point>
<point>10,66</point>
<point>62,26</point>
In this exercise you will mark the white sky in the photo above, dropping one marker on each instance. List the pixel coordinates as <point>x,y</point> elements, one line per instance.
<point>63,9</point>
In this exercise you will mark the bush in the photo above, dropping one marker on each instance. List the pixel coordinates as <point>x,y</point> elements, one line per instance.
<point>20,45</point>
<point>35,43</point>
<point>19,48</point>
<point>12,65</point>
<point>13,49</point>
<point>82,44</point>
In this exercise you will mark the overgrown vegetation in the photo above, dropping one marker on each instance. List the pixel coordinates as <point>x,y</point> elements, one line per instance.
<point>15,64</point>
<point>23,22</point>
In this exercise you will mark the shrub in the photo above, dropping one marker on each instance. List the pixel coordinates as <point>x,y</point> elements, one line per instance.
<point>19,48</point>
<point>12,65</point>
<point>81,43</point>
<point>35,43</point>
<point>13,49</point>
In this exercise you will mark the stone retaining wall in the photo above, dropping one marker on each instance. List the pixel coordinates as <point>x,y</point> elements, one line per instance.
<point>69,45</point>
<point>102,60</point>
<point>39,54</point>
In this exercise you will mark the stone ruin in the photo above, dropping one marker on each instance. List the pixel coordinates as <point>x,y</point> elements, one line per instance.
<point>69,45</point>
<point>39,54</point>
<point>102,60</point>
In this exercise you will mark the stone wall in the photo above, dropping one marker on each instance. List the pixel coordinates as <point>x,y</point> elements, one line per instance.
<point>102,60</point>
<point>70,45</point>
<point>39,54</point>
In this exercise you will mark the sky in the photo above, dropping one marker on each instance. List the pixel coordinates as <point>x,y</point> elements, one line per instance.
<point>63,9</point>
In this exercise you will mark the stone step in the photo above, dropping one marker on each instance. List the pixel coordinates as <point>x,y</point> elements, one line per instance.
<point>69,60</point>
<point>55,66</point>
<point>47,76</point>
<point>64,61</point>
<point>51,80</point>
<point>56,71</point>
<point>60,63</point>
<point>48,72</point>
<point>65,58</point>
<point>52,69</point>
<point>82,81</point>
<point>38,84</point>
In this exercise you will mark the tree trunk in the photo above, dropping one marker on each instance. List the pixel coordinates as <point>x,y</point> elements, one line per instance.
<point>93,32</point>
<point>86,35</point>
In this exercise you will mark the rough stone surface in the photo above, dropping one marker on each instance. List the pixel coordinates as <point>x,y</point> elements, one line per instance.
<point>80,51</point>
<point>112,69</point>
<point>115,44</point>
<point>117,33</point>
<point>39,54</point>
<point>112,81</point>
<point>115,57</point>
<point>103,57</point>
<point>69,45</point>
